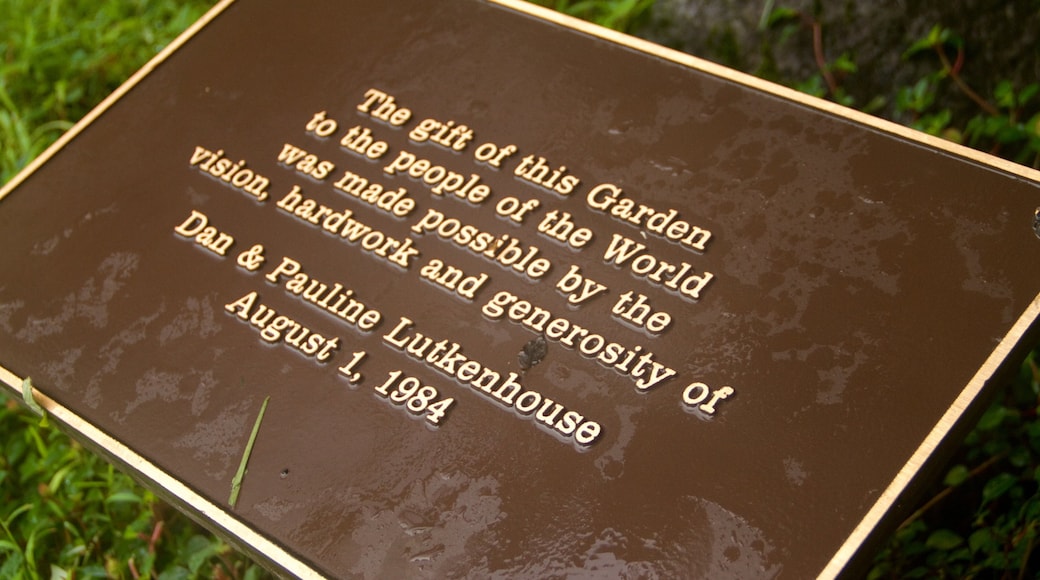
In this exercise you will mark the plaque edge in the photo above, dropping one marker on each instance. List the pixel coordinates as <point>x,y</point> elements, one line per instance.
<point>220,517</point>
<point>112,98</point>
<point>927,448</point>
<point>134,462</point>
<point>719,71</point>
<point>958,408</point>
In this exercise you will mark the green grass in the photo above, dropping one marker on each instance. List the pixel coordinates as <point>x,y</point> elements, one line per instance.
<point>65,513</point>
<point>58,58</point>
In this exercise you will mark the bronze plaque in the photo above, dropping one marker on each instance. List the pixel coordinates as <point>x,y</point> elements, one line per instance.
<point>518,296</point>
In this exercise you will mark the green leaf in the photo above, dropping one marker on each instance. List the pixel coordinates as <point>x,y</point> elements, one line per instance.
<point>12,565</point>
<point>175,573</point>
<point>983,541</point>
<point>782,15</point>
<point>956,476</point>
<point>998,486</point>
<point>992,419</point>
<point>92,571</point>
<point>1027,94</point>
<point>1005,94</point>
<point>919,572</point>
<point>845,64</point>
<point>944,540</point>
<point>928,42</point>
<point>200,549</point>
<point>123,497</point>
<point>1020,457</point>
<point>19,511</point>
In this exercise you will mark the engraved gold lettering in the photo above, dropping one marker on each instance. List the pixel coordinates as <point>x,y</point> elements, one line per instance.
<point>610,199</point>
<point>336,299</point>
<point>679,279</point>
<point>578,288</point>
<point>512,208</point>
<point>446,134</point>
<point>321,125</point>
<point>695,395</point>
<point>393,201</point>
<point>384,107</point>
<point>237,175</point>
<point>197,226</point>
<point>304,162</point>
<point>536,169</point>
<point>504,250</point>
<point>439,179</point>
<point>274,328</point>
<point>637,311</point>
<point>493,154</point>
<point>359,140</point>
<point>448,358</point>
<point>647,372</point>
<point>559,226</point>
<point>453,279</point>
<point>343,225</point>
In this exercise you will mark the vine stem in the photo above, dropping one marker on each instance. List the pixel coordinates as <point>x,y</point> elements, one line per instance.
<point>154,539</point>
<point>954,73</point>
<point>821,61</point>
<point>942,494</point>
<point>1025,559</point>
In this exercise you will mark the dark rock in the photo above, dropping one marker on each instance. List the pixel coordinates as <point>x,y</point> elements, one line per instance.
<point>1000,41</point>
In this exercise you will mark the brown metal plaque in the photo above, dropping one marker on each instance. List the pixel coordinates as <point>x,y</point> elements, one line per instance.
<point>518,296</point>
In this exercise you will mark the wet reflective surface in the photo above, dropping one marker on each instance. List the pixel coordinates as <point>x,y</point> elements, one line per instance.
<point>860,281</point>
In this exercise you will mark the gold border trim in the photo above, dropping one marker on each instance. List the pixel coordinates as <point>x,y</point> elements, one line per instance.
<point>110,100</point>
<point>233,526</point>
<point>942,428</point>
<point>989,368</point>
<point>210,511</point>
<point>768,87</point>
